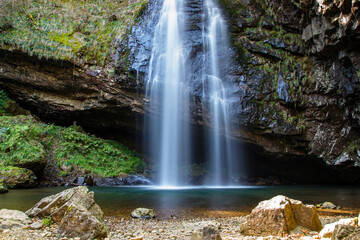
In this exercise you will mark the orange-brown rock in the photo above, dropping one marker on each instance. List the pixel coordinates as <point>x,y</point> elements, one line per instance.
<point>279,216</point>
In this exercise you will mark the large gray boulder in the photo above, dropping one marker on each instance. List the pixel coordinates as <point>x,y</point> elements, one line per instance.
<point>280,215</point>
<point>75,211</point>
<point>12,219</point>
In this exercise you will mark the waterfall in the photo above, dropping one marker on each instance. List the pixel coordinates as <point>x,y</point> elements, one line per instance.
<point>168,93</point>
<point>220,152</point>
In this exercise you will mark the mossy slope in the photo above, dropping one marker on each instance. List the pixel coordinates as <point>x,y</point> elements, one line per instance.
<point>25,141</point>
<point>81,31</point>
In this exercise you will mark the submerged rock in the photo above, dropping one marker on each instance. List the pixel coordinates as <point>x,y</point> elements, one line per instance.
<point>143,213</point>
<point>75,211</point>
<point>137,180</point>
<point>10,219</point>
<point>280,215</point>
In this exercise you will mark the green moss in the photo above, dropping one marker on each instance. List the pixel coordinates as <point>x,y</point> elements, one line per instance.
<point>82,31</point>
<point>23,138</point>
<point>47,221</point>
<point>10,170</point>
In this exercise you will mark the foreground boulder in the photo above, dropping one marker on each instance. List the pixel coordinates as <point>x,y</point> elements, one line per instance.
<point>75,211</point>
<point>18,177</point>
<point>143,213</point>
<point>12,219</point>
<point>280,215</point>
<point>348,227</point>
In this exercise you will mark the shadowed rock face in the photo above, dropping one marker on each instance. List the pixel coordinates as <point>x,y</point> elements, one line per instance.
<point>296,86</point>
<point>64,93</point>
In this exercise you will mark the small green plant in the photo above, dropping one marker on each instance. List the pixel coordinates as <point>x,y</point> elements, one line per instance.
<point>47,221</point>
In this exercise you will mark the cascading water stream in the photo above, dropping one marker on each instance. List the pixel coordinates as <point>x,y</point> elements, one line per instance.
<point>220,148</point>
<point>168,94</point>
<point>167,91</point>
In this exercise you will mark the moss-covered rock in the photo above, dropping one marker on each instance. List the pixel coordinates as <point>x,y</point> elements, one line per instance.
<point>17,177</point>
<point>3,186</point>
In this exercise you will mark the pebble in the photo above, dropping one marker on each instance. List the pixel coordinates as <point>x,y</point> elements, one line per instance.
<point>126,229</point>
<point>137,238</point>
<point>36,225</point>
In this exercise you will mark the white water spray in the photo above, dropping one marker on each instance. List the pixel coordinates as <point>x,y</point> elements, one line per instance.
<point>167,90</point>
<point>220,149</point>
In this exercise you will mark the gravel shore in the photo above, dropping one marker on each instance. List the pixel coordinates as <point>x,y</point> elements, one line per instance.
<point>135,229</point>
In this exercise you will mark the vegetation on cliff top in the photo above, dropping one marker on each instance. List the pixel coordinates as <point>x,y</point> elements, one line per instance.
<point>24,140</point>
<point>83,31</point>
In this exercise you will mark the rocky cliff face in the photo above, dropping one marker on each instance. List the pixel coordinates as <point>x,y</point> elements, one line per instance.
<point>296,69</point>
<point>300,96</point>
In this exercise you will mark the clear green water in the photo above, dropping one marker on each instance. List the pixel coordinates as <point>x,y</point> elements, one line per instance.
<point>190,202</point>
